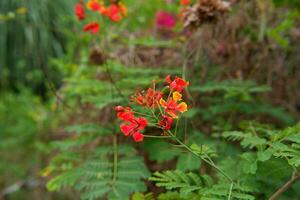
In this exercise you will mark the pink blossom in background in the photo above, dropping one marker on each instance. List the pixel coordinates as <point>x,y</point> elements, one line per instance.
<point>164,19</point>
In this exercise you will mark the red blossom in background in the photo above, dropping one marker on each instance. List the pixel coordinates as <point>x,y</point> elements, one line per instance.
<point>178,84</point>
<point>165,20</point>
<point>115,12</point>
<point>92,27</point>
<point>185,2</point>
<point>93,5</point>
<point>79,11</point>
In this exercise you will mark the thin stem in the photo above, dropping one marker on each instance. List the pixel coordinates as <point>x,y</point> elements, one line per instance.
<point>115,169</point>
<point>142,114</point>
<point>230,191</point>
<point>285,187</point>
<point>153,113</point>
<point>156,136</point>
<point>176,127</point>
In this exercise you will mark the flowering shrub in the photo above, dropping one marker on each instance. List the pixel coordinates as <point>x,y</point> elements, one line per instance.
<point>114,11</point>
<point>104,166</point>
<point>162,107</point>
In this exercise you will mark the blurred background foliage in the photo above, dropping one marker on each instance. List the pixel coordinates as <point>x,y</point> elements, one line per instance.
<point>32,33</point>
<point>58,86</point>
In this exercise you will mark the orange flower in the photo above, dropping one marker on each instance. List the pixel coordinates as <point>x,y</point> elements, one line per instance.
<point>123,9</point>
<point>150,99</point>
<point>172,107</point>
<point>93,5</point>
<point>92,27</point>
<point>185,2</point>
<point>103,10</point>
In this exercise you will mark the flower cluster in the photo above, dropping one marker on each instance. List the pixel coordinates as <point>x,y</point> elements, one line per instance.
<point>162,107</point>
<point>115,11</point>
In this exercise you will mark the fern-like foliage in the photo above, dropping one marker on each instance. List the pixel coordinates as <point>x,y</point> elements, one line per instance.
<point>111,173</point>
<point>185,182</point>
<point>283,144</point>
<point>237,96</point>
<point>193,186</point>
<point>141,196</point>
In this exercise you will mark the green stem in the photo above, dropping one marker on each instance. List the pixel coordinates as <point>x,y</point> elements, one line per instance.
<point>153,136</point>
<point>176,127</point>
<point>115,169</point>
<point>142,114</point>
<point>230,191</point>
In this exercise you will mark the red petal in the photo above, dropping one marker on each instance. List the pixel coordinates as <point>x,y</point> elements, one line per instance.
<point>168,79</point>
<point>92,27</point>
<point>125,116</point>
<point>142,123</point>
<point>79,11</point>
<point>138,137</point>
<point>127,128</point>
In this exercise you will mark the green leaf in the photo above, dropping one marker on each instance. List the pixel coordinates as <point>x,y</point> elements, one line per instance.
<point>249,163</point>
<point>265,155</point>
<point>188,161</point>
<point>160,151</point>
<point>104,178</point>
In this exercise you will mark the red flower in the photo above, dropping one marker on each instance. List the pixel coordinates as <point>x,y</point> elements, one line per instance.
<point>92,27</point>
<point>79,11</point>
<point>166,122</point>
<point>178,84</point>
<point>125,114</point>
<point>132,125</point>
<point>114,13</point>
<point>171,107</point>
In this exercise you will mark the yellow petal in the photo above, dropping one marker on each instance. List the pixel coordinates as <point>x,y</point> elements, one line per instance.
<point>182,107</point>
<point>163,103</point>
<point>176,96</point>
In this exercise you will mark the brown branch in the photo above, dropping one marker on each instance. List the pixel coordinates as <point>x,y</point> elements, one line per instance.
<point>285,187</point>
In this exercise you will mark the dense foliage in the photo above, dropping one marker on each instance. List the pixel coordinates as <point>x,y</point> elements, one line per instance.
<point>167,100</point>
